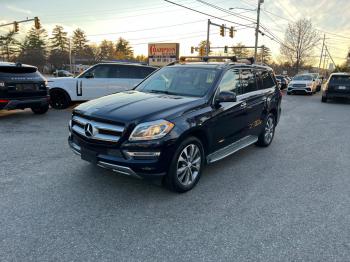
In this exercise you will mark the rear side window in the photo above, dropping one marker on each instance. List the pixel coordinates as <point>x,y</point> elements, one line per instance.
<point>340,80</point>
<point>123,71</point>
<point>267,80</point>
<point>248,81</point>
<point>17,70</point>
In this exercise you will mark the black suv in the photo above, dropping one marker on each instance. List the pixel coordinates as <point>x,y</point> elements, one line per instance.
<point>337,86</point>
<point>22,86</point>
<point>180,118</point>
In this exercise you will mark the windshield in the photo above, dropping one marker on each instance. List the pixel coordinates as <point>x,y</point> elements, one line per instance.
<point>340,80</point>
<point>182,81</point>
<point>303,78</point>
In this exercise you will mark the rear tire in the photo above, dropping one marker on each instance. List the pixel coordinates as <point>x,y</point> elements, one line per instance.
<point>186,166</point>
<point>59,99</point>
<point>267,134</point>
<point>40,110</point>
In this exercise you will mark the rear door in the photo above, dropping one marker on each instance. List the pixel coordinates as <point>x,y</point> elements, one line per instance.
<point>254,99</point>
<point>121,78</point>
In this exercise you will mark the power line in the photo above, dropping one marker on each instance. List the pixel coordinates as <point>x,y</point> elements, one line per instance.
<point>203,13</point>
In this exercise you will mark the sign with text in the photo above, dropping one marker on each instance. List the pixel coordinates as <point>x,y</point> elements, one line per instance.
<point>161,54</point>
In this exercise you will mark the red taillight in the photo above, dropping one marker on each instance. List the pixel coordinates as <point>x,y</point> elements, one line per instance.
<point>4,101</point>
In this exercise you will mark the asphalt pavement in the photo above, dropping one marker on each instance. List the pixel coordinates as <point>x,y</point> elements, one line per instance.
<point>287,202</point>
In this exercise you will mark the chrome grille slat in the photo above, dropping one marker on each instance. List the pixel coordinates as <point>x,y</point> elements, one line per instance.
<point>100,129</point>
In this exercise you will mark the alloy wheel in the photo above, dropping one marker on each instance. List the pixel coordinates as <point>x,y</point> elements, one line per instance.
<point>188,165</point>
<point>269,130</point>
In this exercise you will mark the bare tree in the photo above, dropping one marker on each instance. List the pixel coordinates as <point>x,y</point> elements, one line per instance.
<point>300,40</point>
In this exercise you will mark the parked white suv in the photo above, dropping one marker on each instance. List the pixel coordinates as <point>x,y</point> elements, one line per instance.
<point>97,81</point>
<point>302,83</point>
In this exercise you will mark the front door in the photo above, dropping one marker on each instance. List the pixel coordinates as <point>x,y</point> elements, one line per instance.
<point>94,83</point>
<point>227,124</point>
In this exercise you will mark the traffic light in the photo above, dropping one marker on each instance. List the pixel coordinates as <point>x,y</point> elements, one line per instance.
<point>37,22</point>
<point>231,32</point>
<point>15,26</point>
<point>226,49</point>
<point>192,49</point>
<point>222,30</point>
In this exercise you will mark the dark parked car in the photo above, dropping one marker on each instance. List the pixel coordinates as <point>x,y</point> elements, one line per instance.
<point>337,86</point>
<point>22,86</point>
<point>62,73</point>
<point>178,119</point>
<point>283,81</point>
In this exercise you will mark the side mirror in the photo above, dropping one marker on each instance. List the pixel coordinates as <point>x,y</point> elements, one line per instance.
<point>89,75</point>
<point>226,96</point>
<point>314,80</point>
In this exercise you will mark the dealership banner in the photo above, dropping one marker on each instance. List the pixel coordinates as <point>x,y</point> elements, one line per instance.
<point>161,54</point>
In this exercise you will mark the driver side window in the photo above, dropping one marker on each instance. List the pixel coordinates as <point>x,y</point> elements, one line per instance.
<point>230,82</point>
<point>100,71</point>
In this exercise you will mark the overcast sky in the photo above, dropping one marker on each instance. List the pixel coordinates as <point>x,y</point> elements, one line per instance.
<point>141,21</point>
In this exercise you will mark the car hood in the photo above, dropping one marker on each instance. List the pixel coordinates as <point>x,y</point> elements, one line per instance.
<point>60,80</point>
<point>133,106</point>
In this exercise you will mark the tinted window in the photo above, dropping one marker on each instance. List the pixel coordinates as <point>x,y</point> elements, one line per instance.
<point>121,71</point>
<point>99,71</point>
<point>267,80</point>
<point>17,69</point>
<point>143,72</point>
<point>230,81</point>
<point>340,80</point>
<point>248,81</point>
<point>180,81</point>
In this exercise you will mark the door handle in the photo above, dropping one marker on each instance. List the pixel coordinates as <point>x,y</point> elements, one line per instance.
<point>244,105</point>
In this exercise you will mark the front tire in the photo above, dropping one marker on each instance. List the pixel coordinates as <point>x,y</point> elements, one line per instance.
<point>186,166</point>
<point>40,110</point>
<point>268,133</point>
<point>59,99</point>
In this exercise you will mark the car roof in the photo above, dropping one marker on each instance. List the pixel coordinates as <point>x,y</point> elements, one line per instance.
<point>125,63</point>
<point>220,65</point>
<point>10,64</point>
<point>341,74</point>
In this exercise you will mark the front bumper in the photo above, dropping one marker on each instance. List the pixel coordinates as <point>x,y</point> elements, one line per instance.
<point>307,90</point>
<point>115,159</point>
<point>25,103</point>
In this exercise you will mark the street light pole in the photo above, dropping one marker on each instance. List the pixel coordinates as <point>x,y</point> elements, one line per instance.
<point>207,49</point>
<point>257,29</point>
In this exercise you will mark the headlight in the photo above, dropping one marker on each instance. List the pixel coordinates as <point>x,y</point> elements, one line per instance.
<point>151,130</point>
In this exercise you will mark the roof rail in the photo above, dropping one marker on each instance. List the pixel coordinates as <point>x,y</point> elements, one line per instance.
<point>207,58</point>
<point>248,60</point>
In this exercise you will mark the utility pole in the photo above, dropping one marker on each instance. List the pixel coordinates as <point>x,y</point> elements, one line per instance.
<point>207,49</point>
<point>319,66</point>
<point>70,55</point>
<point>257,29</point>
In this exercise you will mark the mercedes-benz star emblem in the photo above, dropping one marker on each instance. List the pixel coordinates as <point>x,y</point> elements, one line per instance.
<point>89,130</point>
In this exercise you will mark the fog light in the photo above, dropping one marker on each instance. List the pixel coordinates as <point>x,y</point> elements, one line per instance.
<point>142,155</point>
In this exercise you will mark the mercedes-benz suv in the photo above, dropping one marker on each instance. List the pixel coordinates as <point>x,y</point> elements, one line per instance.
<point>22,86</point>
<point>180,118</point>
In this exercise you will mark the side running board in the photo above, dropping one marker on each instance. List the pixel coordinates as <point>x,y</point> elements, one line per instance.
<point>230,149</point>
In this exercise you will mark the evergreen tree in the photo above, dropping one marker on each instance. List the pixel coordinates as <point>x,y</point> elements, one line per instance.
<point>59,54</point>
<point>107,50</point>
<point>33,49</point>
<point>123,49</point>
<point>59,39</point>
<point>9,46</point>
<point>79,43</point>
<point>264,55</point>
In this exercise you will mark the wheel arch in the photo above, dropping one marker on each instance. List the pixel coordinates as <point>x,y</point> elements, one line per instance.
<point>59,89</point>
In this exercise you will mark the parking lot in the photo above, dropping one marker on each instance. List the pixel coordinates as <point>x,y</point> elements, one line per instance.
<point>287,202</point>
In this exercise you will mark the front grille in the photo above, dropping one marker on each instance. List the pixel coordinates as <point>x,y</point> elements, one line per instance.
<point>299,85</point>
<point>96,130</point>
